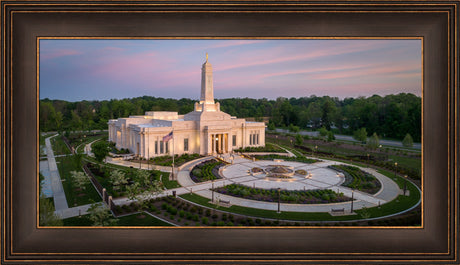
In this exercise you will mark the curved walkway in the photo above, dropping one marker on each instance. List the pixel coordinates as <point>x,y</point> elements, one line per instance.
<point>389,191</point>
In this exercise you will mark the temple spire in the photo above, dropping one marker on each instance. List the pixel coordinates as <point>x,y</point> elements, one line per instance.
<point>207,89</point>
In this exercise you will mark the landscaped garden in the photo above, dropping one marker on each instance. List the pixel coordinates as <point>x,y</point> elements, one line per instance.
<point>286,196</point>
<point>267,148</point>
<point>301,159</point>
<point>207,170</point>
<point>355,178</point>
<point>167,160</point>
<point>116,180</point>
<point>76,194</point>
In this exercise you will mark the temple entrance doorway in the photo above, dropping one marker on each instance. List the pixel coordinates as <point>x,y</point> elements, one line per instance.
<point>219,143</point>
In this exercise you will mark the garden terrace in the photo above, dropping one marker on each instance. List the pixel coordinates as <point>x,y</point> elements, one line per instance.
<point>207,170</point>
<point>357,179</point>
<point>286,196</point>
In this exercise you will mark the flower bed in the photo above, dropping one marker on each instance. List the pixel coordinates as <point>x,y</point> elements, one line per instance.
<point>287,196</point>
<point>207,170</point>
<point>355,178</point>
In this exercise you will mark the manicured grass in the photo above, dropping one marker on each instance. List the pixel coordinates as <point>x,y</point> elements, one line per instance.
<point>414,163</point>
<point>65,165</point>
<point>103,177</point>
<point>130,220</point>
<point>169,184</point>
<point>59,147</point>
<point>80,147</point>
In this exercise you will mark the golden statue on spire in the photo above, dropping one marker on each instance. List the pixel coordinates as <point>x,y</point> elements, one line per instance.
<point>206,57</point>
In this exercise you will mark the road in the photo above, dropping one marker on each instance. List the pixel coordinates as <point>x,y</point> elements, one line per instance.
<point>350,138</point>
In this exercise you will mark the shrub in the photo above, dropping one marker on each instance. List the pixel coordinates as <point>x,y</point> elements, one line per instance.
<point>182,213</point>
<point>195,217</point>
<point>204,220</point>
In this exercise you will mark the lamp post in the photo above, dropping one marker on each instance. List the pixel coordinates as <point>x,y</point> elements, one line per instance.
<point>279,200</point>
<point>396,164</point>
<point>212,191</point>
<point>405,185</point>
<point>352,199</point>
<point>367,157</point>
<point>316,148</point>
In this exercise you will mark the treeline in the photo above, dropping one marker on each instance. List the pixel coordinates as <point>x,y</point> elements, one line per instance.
<point>392,116</point>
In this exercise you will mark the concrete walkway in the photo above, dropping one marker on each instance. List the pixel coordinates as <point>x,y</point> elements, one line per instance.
<point>388,192</point>
<point>76,211</point>
<point>60,202</point>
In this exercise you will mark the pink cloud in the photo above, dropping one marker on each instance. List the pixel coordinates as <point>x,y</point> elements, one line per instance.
<point>281,55</point>
<point>376,71</point>
<point>48,55</point>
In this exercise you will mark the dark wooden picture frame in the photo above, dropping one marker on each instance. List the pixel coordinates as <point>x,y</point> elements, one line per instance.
<point>23,22</point>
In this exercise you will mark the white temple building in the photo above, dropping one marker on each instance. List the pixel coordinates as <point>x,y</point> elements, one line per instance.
<point>206,130</point>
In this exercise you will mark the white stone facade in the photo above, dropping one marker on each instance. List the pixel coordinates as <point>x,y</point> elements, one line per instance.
<point>205,131</point>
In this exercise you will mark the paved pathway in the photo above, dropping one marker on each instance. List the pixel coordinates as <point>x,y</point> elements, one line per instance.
<point>76,211</point>
<point>60,202</point>
<point>325,178</point>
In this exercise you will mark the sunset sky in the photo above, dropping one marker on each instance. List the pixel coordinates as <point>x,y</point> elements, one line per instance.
<point>77,70</point>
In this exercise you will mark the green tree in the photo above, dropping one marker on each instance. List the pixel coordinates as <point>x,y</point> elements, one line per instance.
<point>298,139</point>
<point>373,141</point>
<point>293,128</point>
<point>79,179</point>
<point>144,188</point>
<point>328,108</point>
<point>76,122</point>
<point>271,126</point>
<point>100,150</point>
<point>408,141</point>
<point>58,118</point>
<point>360,135</point>
<point>47,217</point>
<point>330,136</point>
<point>100,215</point>
<point>322,131</point>
<point>118,177</point>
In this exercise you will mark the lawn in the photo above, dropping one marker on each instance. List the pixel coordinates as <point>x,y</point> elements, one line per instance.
<point>102,173</point>
<point>414,163</point>
<point>59,147</point>
<point>73,196</point>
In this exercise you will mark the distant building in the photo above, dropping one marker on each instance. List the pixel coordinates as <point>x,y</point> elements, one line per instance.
<point>206,130</point>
